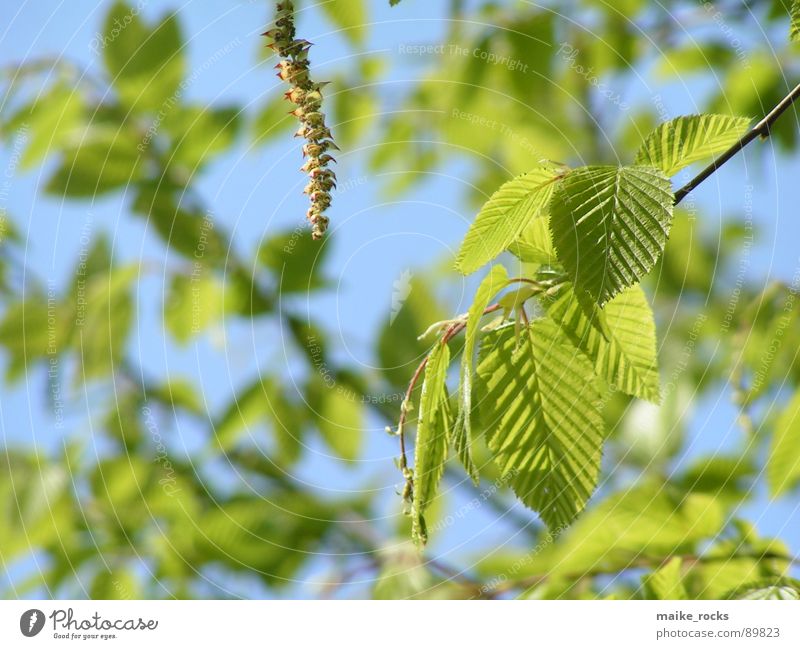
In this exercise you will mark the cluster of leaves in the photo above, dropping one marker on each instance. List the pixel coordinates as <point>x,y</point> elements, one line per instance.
<point>587,237</point>
<point>619,218</point>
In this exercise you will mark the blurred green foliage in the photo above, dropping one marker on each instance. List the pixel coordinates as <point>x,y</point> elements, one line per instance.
<point>135,521</point>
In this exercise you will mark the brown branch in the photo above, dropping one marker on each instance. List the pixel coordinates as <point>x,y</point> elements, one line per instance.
<point>761,129</point>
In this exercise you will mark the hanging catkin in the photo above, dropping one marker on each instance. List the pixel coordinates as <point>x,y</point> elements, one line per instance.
<point>293,68</point>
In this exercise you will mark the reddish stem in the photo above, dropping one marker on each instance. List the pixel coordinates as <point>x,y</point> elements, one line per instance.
<point>452,331</point>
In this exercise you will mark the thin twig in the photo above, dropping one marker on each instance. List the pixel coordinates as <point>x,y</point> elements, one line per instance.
<point>761,129</point>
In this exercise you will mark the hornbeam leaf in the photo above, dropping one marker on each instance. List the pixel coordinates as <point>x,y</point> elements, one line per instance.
<point>783,463</point>
<point>794,30</point>
<point>462,431</point>
<point>505,215</point>
<point>432,429</point>
<point>610,226</point>
<point>534,245</point>
<point>540,407</point>
<point>685,140</point>
<point>621,342</point>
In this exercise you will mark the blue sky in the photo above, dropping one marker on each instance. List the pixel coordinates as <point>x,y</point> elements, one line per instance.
<point>255,193</point>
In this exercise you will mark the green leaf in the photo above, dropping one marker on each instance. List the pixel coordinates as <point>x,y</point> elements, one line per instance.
<point>339,417</point>
<point>356,108</point>
<point>106,160</point>
<point>287,418</point>
<point>199,133</point>
<point>666,582</point>
<point>772,588</point>
<point>771,315</point>
<point>540,406</point>
<point>514,300</point>
<point>349,16</point>
<point>115,584</point>
<point>462,431</point>
<point>262,400</point>
<point>193,303</point>
<point>649,519</point>
<point>504,216</point>
<point>621,343</point>
<point>178,393</point>
<point>715,579</point>
<point>794,30</point>
<point>102,327</point>
<point>36,504</point>
<point>535,244</point>
<point>28,334</point>
<point>610,226</point>
<point>430,451</point>
<point>272,539</point>
<point>783,463</point>
<point>727,476</point>
<point>96,261</point>
<point>49,122</point>
<point>685,140</point>
<point>243,413</point>
<point>119,488</point>
<point>272,119</point>
<point>531,37</point>
<point>146,65</point>
<point>193,233</point>
<point>295,260</point>
<point>398,348</point>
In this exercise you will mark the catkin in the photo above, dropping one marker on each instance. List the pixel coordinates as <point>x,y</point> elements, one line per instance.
<point>306,95</point>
